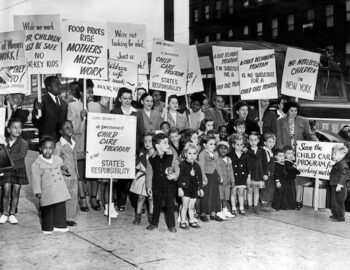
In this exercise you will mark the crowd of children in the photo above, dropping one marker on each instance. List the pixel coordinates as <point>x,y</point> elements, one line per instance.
<point>205,174</point>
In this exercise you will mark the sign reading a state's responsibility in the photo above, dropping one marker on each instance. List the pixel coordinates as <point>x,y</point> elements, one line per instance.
<point>314,159</point>
<point>110,151</point>
<point>84,50</point>
<point>169,66</point>
<point>257,72</point>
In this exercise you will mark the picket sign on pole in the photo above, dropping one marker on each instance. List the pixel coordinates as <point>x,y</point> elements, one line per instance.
<point>110,103</point>
<point>39,92</point>
<point>110,201</point>
<point>231,106</point>
<point>84,93</point>
<point>260,116</point>
<point>317,183</point>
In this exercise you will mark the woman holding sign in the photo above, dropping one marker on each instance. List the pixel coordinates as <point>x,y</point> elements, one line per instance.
<point>290,129</point>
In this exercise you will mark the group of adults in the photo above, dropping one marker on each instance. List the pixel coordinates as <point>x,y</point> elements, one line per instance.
<point>281,118</point>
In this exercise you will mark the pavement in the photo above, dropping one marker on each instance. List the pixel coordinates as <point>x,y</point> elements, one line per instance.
<point>280,240</point>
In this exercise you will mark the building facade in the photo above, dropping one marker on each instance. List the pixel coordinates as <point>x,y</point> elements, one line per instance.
<point>316,25</point>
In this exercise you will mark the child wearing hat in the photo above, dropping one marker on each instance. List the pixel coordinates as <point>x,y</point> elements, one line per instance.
<point>225,164</point>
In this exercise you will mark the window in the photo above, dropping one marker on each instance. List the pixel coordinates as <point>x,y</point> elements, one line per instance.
<point>246,30</point>
<point>348,10</point>
<point>259,2</point>
<point>246,3</point>
<point>206,39</point>
<point>274,26</point>
<point>259,29</point>
<point>347,55</point>
<point>206,12</point>
<point>290,22</point>
<point>218,9</point>
<point>329,16</point>
<point>218,36</point>
<point>230,34</point>
<point>310,15</point>
<point>195,15</point>
<point>230,6</point>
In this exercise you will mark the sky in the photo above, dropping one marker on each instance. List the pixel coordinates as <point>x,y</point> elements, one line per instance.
<point>148,12</point>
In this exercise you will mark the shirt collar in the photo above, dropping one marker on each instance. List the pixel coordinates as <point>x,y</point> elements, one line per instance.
<point>53,97</point>
<point>64,141</point>
<point>130,111</point>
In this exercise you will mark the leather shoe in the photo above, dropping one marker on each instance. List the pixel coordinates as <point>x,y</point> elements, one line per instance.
<point>204,218</point>
<point>173,229</point>
<point>71,223</point>
<point>216,218</point>
<point>151,227</point>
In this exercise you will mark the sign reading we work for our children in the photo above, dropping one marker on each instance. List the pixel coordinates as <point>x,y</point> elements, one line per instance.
<point>84,50</point>
<point>110,151</point>
<point>300,74</point>
<point>314,159</point>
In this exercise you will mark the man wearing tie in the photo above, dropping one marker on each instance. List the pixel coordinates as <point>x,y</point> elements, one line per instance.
<point>53,109</point>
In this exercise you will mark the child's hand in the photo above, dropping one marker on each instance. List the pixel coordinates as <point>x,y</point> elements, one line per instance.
<point>278,185</point>
<point>221,181</point>
<point>149,192</point>
<point>338,188</point>
<point>205,181</point>
<point>245,149</point>
<point>200,193</point>
<point>180,192</point>
<point>265,177</point>
<point>65,170</point>
<point>249,181</point>
<point>38,195</point>
<point>83,114</point>
<point>171,176</point>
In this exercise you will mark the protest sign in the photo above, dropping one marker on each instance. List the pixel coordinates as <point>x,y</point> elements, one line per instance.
<point>13,71</point>
<point>105,89</point>
<point>194,76</point>
<point>226,70</point>
<point>300,74</point>
<point>314,159</point>
<point>142,82</point>
<point>110,149</point>
<point>84,50</point>
<point>169,66</point>
<point>128,42</point>
<point>42,42</point>
<point>257,72</point>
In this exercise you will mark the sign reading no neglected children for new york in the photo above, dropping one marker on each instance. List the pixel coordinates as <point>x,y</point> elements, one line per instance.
<point>13,71</point>
<point>257,72</point>
<point>42,42</point>
<point>84,50</point>
<point>169,66</point>
<point>226,70</point>
<point>314,159</point>
<point>300,74</point>
<point>110,151</point>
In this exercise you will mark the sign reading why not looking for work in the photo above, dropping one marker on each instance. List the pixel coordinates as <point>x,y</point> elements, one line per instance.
<point>257,72</point>
<point>314,159</point>
<point>128,42</point>
<point>42,42</point>
<point>84,50</point>
<point>13,71</point>
<point>194,76</point>
<point>226,70</point>
<point>169,66</point>
<point>300,74</point>
<point>110,151</point>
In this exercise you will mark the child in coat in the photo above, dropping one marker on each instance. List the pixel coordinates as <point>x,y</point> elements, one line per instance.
<point>49,187</point>
<point>280,176</point>
<point>225,164</point>
<point>337,180</point>
<point>292,172</point>
<point>161,176</point>
<point>66,150</point>
<point>15,178</point>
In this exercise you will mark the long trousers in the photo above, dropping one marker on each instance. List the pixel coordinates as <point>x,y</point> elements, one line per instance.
<point>168,196</point>
<point>53,216</point>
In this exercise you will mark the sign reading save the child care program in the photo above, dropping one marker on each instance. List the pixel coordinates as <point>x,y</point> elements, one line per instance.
<point>84,50</point>
<point>169,66</point>
<point>110,151</point>
<point>226,70</point>
<point>13,71</point>
<point>257,72</point>
<point>314,159</point>
<point>42,42</point>
<point>300,74</point>
<point>128,42</point>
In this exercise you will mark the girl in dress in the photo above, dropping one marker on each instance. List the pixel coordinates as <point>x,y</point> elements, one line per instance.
<point>138,186</point>
<point>15,178</point>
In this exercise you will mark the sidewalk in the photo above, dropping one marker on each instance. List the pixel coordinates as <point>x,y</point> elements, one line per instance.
<point>281,240</point>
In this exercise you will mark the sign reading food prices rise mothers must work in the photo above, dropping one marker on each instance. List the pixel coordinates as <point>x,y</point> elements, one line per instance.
<point>42,42</point>
<point>169,66</point>
<point>84,50</point>
<point>110,149</point>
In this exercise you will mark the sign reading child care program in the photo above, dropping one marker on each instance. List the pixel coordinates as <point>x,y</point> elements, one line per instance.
<point>314,159</point>
<point>226,70</point>
<point>42,42</point>
<point>169,66</point>
<point>84,50</point>
<point>110,151</point>
<point>300,74</point>
<point>128,42</point>
<point>257,72</point>
<point>13,71</point>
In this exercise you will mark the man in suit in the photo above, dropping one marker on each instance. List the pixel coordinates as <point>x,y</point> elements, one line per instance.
<point>53,109</point>
<point>218,114</point>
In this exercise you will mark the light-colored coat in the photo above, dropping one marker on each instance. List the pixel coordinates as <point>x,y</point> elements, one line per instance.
<point>181,120</point>
<point>69,158</point>
<point>48,181</point>
<point>79,125</point>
